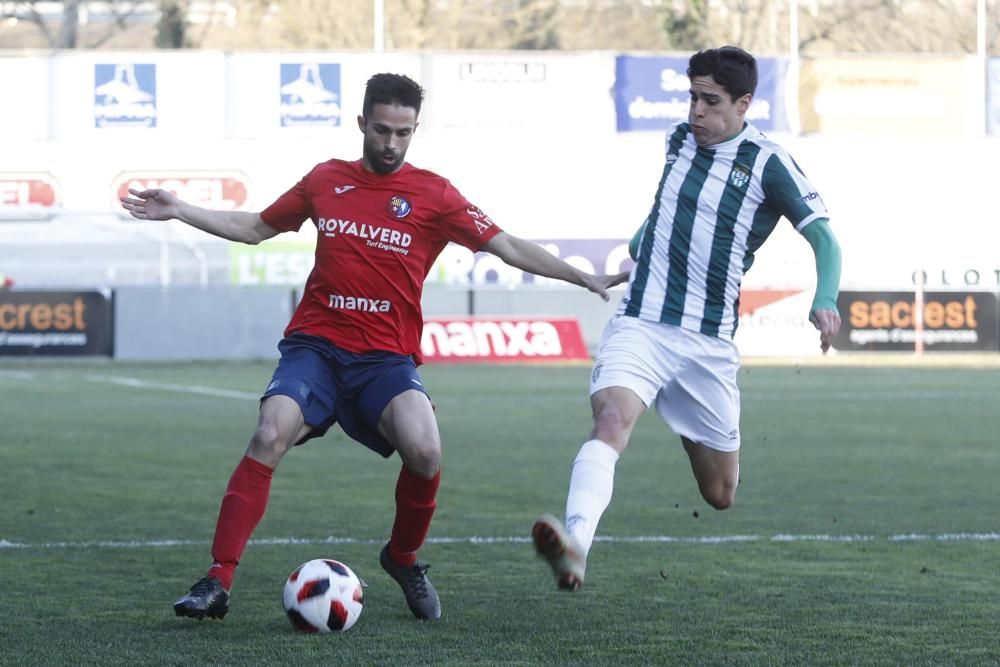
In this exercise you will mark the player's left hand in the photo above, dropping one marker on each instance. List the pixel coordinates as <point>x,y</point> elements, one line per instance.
<point>601,283</point>
<point>828,323</point>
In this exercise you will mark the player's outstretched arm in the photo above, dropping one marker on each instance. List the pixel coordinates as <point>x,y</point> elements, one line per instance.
<point>532,258</point>
<point>823,313</point>
<point>156,204</point>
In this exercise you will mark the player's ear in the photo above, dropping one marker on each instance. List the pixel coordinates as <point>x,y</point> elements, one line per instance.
<point>361,123</point>
<point>744,103</point>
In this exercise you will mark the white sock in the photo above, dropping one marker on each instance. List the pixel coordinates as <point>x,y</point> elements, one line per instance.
<point>590,487</point>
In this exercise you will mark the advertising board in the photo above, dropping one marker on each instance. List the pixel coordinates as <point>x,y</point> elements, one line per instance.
<point>55,323</point>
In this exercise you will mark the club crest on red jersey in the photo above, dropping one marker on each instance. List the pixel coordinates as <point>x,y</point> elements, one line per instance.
<point>399,206</point>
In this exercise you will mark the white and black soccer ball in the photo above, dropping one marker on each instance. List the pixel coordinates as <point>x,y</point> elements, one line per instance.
<point>323,595</point>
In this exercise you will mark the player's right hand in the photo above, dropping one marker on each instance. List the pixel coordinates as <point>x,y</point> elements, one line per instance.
<point>828,323</point>
<point>601,283</point>
<point>153,204</point>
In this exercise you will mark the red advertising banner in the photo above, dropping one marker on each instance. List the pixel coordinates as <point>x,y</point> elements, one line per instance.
<point>228,190</point>
<point>28,196</point>
<point>522,339</point>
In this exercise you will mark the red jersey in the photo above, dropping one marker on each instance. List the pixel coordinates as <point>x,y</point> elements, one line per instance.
<point>377,237</point>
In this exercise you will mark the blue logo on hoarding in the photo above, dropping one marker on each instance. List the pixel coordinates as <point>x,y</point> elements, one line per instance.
<point>125,95</point>
<point>652,93</point>
<point>310,94</point>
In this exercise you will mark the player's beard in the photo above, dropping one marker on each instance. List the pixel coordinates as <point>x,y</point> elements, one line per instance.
<point>378,165</point>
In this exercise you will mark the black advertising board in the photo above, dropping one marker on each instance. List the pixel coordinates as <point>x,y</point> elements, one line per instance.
<point>55,323</point>
<point>885,321</point>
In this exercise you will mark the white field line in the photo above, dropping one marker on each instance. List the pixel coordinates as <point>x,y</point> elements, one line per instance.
<point>897,395</point>
<point>167,386</point>
<point>887,396</point>
<point>16,375</point>
<point>643,539</point>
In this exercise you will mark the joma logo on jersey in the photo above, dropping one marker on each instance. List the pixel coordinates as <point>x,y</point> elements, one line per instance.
<point>739,176</point>
<point>333,226</point>
<point>480,219</point>
<point>363,304</point>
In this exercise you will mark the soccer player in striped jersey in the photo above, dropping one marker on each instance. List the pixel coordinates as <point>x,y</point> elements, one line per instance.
<point>351,350</point>
<point>723,190</point>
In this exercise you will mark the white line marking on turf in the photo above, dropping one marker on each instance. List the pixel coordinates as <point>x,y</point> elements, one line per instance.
<point>167,386</point>
<point>858,396</point>
<point>17,375</point>
<point>664,539</point>
<point>765,396</point>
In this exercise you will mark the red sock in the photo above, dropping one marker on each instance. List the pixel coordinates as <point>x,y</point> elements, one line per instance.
<point>415,503</point>
<point>242,509</point>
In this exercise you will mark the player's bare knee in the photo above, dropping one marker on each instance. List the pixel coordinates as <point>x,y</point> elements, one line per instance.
<point>423,459</point>
<point>267,441</point>
<point>720,502</point>
<point>611,427</point>
<point>720,495</point>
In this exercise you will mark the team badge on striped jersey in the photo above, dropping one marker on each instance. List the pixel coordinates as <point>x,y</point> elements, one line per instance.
<point>739,176</point>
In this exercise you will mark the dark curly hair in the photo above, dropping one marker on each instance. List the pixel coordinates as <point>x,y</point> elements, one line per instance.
<point>732,68</point>
<point>392,89</point>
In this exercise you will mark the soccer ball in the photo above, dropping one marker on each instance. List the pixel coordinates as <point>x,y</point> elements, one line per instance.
<point>323,595</point>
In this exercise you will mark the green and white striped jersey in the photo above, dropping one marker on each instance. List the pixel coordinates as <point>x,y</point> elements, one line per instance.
<point>714,207</point>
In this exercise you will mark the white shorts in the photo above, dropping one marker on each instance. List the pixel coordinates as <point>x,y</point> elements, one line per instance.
<point>690,376</point>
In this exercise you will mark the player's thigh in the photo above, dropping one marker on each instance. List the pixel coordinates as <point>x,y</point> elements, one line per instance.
<point>712,467</point>
<point>702,401</point>
<point>616,410</point>
<point>304,377</point>
<point>627,356</point>
<point>280,425</point>
<point>717,472</point>
<point>409,424</point>
<point>385,406</point>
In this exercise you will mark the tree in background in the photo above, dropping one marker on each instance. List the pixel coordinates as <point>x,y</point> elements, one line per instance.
<point>686,25</point>
<point>831,26</point>
<point>894,26</point>
<point>68,29</point>
<point>46,24</point>
<point>761,26</point>
<point>290,24</point>
<point>539,29</point>
<point>171,28</point>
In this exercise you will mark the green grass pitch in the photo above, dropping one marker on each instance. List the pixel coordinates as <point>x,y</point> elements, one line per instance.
<point>866,530</point>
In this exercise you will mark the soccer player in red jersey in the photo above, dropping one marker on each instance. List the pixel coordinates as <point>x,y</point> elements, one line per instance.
<point>350,351</point>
